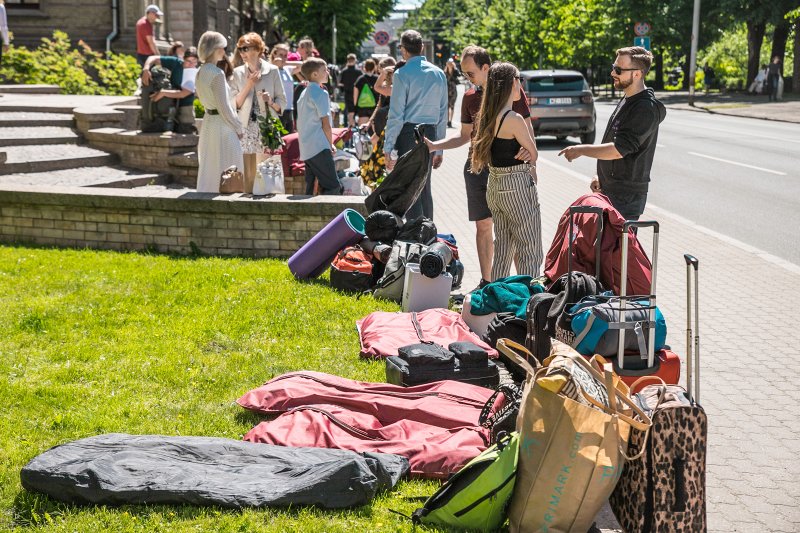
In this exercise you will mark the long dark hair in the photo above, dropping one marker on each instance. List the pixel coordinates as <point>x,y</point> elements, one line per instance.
<point>496,93</point>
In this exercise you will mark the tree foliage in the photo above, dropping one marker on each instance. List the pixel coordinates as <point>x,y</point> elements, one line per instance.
<point>355,20</point>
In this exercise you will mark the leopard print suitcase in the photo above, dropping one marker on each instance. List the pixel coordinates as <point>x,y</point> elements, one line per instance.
<point>664,490</point>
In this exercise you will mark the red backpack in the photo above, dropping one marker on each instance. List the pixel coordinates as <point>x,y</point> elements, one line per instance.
<point>351,270</point>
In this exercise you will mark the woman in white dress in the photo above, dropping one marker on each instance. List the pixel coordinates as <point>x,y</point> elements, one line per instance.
<point>257,89</point>
<point>219,146</point>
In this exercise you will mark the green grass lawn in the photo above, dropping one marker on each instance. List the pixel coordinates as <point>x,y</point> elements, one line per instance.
<point>100,342</point>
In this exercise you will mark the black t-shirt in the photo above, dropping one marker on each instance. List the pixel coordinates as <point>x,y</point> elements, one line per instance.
<point>366,79</point>
<point>774,69</point>
<point>633,128</point>
<point>348,78</point>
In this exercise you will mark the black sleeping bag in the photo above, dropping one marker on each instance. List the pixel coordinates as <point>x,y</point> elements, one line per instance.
<point>401,188</point>
<point>152,469</point>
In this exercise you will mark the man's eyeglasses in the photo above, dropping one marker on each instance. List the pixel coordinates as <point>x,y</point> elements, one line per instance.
<point>521,79</point>
<point>244,49</point>
<point>619,70</point>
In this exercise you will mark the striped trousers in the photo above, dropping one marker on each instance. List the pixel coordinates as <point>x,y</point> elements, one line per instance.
<point>514,202</point>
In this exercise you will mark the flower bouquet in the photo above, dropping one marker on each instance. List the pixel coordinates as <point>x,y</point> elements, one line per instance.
<point>272,132</point>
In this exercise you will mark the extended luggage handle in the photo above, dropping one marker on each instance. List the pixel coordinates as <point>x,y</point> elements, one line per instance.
<point>692,263</point>
<point>586,209</point>
<point>623,290</point>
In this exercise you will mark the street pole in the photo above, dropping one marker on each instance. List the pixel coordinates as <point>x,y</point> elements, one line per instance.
<point>334,38</point>
<point>693,55</point>
<point>452,24</point>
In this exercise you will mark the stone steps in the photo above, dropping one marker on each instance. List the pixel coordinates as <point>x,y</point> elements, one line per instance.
<point>37,135</point>
<point>45,158</point>
<point>30,89</point>
<point>101,176</point>
<point>21,119</point>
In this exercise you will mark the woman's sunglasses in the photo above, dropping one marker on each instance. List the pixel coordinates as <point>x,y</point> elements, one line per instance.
<point>244,49</point>
<point>619,70</point>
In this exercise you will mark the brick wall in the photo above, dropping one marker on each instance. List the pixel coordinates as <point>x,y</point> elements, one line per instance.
<point>167,221</point>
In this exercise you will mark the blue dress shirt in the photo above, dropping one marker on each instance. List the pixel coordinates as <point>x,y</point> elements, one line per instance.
<point>419,96</point>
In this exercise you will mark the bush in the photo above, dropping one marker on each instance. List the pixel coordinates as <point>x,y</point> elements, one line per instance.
<point>78,70</point>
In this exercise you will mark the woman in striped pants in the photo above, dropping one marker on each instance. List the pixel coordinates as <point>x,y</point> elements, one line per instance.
<point>511,192</point>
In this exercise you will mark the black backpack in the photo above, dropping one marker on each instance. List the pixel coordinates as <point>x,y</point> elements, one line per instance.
<point>420,229</point>
<point>505,326</point>
<point>158,117</point>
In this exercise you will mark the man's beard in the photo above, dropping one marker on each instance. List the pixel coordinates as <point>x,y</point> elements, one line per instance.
<point>619,84</point>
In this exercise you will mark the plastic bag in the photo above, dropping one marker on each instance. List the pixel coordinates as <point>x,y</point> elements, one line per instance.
<point>352,185</point>
<point>269,177</point>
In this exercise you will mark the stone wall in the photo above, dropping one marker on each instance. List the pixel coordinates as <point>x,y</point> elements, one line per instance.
<point>164,220</point>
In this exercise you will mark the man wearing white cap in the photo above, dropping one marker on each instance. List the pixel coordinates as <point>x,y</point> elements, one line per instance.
<point>145,35</point>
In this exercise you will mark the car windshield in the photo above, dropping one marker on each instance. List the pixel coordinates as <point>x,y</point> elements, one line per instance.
<point>555,83</point>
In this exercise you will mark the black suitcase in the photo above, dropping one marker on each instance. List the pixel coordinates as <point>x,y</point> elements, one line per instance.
<point>418,364</point>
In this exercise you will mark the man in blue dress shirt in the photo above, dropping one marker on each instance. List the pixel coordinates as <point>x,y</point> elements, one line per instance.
<point>419,96</point>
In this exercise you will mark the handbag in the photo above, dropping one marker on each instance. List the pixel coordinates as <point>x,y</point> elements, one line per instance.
<point>231,180</point>
<point>571,452</point>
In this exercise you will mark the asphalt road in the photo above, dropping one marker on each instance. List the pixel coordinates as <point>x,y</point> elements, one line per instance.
<point>737,176</point>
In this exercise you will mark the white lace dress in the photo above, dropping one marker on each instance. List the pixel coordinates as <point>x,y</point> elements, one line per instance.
<point>219,146</point>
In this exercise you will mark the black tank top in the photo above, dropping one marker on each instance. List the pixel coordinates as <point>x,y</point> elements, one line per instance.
<point>504,150</point>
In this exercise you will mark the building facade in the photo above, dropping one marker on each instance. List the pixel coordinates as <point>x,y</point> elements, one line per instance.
<point>105,24</point>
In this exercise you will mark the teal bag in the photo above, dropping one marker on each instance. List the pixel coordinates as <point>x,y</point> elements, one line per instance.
<point>477,496</point>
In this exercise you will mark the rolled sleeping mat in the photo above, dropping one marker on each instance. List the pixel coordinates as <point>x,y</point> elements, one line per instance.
<point>383,226</point>
<point>316,255</point>
<point>435,260</point>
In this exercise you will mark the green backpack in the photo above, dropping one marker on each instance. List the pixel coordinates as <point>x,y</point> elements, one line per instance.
<point>476,496</point>
<point>366,98</point>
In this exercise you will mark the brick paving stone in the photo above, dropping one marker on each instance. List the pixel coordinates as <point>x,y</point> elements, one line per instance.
<point>748,376</point>
<point>76,177</point>
<point>22,154</point>
<point>37,132</point>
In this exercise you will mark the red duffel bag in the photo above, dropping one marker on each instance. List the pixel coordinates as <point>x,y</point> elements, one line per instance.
<point>639,266</point>
<point>381,333</point>
<point>446,404</point>
<point>433,452</point>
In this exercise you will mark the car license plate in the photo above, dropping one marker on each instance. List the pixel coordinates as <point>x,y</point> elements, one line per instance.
<point>558,101</point>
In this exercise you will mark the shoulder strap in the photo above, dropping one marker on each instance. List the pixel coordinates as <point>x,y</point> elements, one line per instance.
<point>501,122</point>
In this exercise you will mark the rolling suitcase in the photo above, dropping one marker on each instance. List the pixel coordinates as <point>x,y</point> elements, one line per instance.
<point>664,490</point>
<point>665,363</point>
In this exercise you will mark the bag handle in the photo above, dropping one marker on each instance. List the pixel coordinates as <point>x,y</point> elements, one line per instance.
<point>647,378</point>
<point>510,348</point>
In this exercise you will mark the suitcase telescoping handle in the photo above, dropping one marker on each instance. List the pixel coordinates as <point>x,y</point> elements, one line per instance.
<point>692,344</point>
<point>592,210</point>
<point>623,289</point>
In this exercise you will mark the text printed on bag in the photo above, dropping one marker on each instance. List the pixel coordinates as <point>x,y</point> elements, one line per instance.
<point>561,482</point>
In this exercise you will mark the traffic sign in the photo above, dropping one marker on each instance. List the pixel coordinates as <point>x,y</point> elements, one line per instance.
<point>641,29</point>
<point>381,37</point>
<point>642,41</point>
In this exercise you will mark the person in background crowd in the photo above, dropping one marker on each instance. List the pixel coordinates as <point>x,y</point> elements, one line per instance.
<point>145,34</point>
<point>625,155</point>
<point>475,64</point>
<point>757,87</point>
<point>373,168</point>
<point>419,98</point>
<point>364,94</point>
<point>315,130</point>
<point>226,66</point>
<point>306,48</point>
<point>3,31</point>
<point>219,146</point>
<point>183,85</point>
<point>511,194</point>
<point>257,90</point>
<point>451,73</point>
<point>347,80</point>
<point>177,50</point>
<point>773,77</point>
<point>278,57</point>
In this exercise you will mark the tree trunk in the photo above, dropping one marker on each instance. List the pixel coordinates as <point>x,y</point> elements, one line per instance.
<point>779,38</point>
<point>658,84</point>
<point>796,75</point>
<point>755,37</point>
<point>199,19</point>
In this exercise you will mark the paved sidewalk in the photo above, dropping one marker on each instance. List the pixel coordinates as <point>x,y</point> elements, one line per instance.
<point>749,372</point>
<point>737,105</point>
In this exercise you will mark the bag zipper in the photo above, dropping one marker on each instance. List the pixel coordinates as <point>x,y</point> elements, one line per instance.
<point>486,496</point>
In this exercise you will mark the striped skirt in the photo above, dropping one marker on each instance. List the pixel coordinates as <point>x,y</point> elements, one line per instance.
<point>514,202</point>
